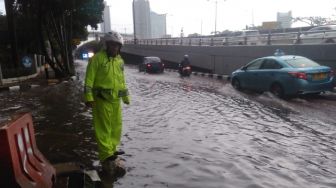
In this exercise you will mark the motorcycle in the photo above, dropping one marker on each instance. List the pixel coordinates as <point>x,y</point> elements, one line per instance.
<point>185,71</point>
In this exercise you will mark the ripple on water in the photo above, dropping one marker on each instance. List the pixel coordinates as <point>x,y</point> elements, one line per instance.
<point>192,133</point>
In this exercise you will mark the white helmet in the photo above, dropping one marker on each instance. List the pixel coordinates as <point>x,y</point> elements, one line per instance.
<point>113,36</point>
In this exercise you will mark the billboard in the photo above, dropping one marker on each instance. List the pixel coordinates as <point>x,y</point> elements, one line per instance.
<point>270,25</point>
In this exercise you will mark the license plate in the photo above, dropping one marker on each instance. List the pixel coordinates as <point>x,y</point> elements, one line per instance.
<point>319,76</point>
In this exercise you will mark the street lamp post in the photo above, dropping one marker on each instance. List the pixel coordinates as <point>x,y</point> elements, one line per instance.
<point>215,17</point>
<point>216,1</point>
<point>134,27</point>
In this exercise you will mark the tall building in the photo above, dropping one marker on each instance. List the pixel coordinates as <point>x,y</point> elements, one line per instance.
<point>141,19</point>
<point>285,19</point>
<point>147,24</point>
<point>105,26</point>
<point>158,25</point>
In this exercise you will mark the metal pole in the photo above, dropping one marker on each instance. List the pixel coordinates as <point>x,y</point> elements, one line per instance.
<point>0,76</point>
<point>214,63</point>
<point>134,32</point>
<point>216,18</point>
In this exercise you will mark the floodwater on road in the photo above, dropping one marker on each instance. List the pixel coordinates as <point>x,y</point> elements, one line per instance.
<point>193,132</point>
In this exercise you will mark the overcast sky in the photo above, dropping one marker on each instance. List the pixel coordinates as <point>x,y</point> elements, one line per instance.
<point>198,16</point>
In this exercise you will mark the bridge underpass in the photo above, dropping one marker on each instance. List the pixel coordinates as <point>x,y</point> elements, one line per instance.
<point>224,59</point>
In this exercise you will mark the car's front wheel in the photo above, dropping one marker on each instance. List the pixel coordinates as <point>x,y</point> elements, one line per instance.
<point>277,90</point>
<point>236,84</point>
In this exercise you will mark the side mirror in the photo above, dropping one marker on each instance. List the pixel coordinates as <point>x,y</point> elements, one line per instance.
<point>243,68</point>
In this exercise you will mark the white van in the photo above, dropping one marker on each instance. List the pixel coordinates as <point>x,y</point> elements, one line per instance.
<point>244,37</point>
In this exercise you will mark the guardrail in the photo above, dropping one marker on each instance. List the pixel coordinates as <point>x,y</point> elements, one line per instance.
<point>262,39</point>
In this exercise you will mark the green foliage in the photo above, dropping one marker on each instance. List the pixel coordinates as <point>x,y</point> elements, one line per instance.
<point>56,21</point>
<point>91,12</point>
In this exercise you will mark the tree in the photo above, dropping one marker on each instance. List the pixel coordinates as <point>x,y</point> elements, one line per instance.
<point>63,21</point>
<point>3,22</point>
<point>312,20</point>
<point>49,27</point>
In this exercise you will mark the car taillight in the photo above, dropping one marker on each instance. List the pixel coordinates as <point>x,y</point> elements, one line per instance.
<point>300,75</point>
<point>149,65</point>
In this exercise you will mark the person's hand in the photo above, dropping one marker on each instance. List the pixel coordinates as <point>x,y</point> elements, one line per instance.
<point>89,104</point>
<point>126,100</point>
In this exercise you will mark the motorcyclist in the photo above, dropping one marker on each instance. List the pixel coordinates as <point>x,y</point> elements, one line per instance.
<point>105,87</point>
<point>184,63</point>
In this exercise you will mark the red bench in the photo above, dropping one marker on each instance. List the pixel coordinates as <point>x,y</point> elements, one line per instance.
<point>21,163</point>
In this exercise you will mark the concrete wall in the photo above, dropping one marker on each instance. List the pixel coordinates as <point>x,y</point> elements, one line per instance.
<point>225,59</point>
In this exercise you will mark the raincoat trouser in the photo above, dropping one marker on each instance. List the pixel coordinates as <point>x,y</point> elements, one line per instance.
<point>105,85</point>
<point>107,122</point>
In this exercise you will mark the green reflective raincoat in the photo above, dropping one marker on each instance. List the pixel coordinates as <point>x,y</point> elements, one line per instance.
<point>105,85</point>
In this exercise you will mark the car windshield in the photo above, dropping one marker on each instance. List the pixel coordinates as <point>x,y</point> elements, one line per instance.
<point>152,60</point>
<point>237,33</point>
<point>301,62</point>
<point>252,32</point>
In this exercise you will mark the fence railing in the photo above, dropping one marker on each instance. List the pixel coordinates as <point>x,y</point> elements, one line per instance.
<point>287,38</point>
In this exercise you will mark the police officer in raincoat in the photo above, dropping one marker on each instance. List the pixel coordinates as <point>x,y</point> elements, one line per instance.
<point>105,87</point>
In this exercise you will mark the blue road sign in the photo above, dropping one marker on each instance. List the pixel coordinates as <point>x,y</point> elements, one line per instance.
<point>27,62</point>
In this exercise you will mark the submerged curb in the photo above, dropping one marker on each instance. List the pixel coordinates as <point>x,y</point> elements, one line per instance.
<point>27,86</point>
<point>216,76</point>
<point>21,87</point>
<point>210,75</point>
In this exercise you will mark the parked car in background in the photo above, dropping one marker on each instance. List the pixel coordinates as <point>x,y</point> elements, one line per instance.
<point>317,35</point>
<point>151,65</point>
<point>284,75</point>
<point>245,37</point>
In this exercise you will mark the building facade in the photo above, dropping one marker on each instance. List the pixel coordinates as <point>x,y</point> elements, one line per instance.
<point>285,19</point>
<point>158,25</point>
<point>141,19</point>
<point>105,26</point>
<point>147,24</point>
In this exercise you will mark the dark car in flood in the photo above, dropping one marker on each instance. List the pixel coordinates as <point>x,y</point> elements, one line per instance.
<point>151,65</point>
<point>284,75</point>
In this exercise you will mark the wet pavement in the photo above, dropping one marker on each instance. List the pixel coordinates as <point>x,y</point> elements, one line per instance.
<point>194,132</point>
